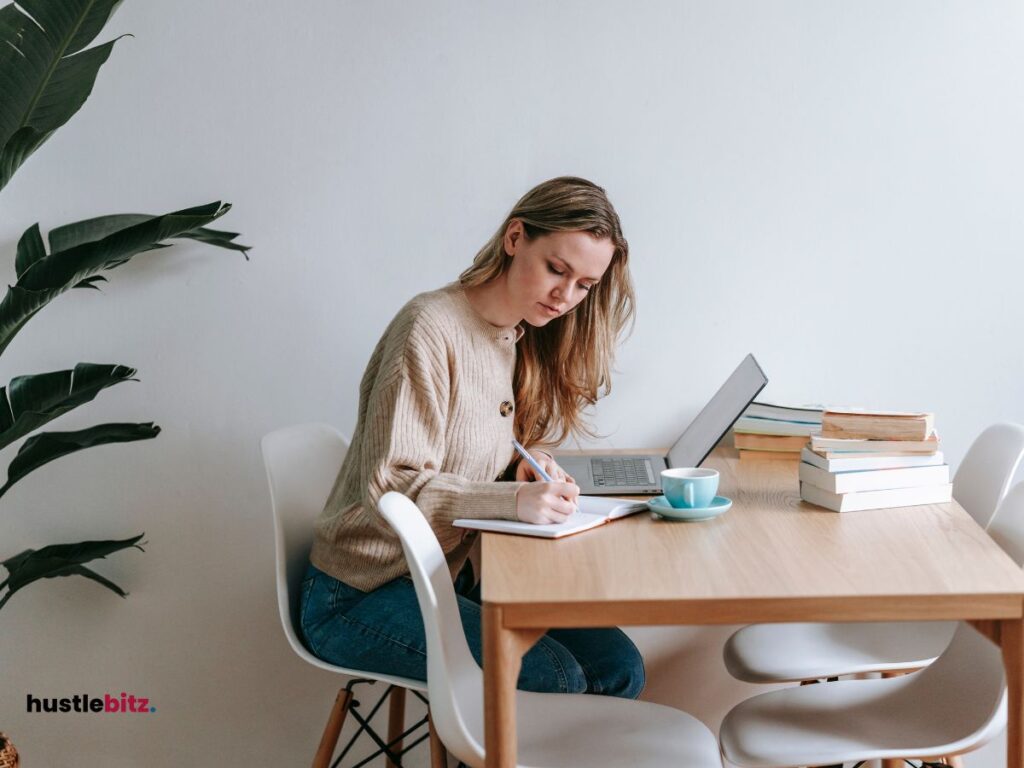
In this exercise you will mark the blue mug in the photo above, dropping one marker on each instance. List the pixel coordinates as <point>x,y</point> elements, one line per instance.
<point>689,488</point>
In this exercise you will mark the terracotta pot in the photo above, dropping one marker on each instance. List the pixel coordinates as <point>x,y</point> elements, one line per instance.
<point>8,754</point>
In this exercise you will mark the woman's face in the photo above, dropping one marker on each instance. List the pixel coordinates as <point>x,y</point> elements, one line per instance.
<point>551,274</point>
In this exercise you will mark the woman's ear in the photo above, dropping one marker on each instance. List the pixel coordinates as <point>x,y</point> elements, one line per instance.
<point>513,236</point>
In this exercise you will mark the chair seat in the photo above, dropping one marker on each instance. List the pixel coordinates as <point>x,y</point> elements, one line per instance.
<point>402,682</point>
<point>769,653</point>
<point>568,730</point>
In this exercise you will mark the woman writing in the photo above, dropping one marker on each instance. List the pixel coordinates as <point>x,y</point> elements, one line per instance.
<point>515,349</point>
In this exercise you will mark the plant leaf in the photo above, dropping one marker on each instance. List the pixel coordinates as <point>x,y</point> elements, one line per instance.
<point>89,282</point>
<point>85,17</point>
<point>81,570</point>
<point>83,249</point>
<point>28,402</point>
<point>90,230</point>
<point>47,446</point>
<point>45,75</point>
<point>62,560</point>
<point>30,250</point>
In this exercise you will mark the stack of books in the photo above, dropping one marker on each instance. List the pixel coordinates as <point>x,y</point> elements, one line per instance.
<point>874,460</point>
<point>770,431</point>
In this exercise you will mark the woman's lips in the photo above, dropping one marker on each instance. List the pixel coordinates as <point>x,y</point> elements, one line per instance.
<point>549,310</point>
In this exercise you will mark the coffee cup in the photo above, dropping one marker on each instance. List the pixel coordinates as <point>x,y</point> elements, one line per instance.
<point>689,487</point>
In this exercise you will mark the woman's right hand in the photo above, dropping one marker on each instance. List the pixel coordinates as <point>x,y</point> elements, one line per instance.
<point>541,503</point>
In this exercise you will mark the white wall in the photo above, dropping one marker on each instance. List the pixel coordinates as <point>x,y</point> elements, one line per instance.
<point>834,186</point>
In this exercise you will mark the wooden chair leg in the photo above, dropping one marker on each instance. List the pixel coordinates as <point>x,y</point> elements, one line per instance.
<point>396,722</point>
<point>333,729</point>
<point>438,753</point>
<point>893,763</point>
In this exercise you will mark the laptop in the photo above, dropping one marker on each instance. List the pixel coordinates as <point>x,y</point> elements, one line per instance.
<point>641,474</point>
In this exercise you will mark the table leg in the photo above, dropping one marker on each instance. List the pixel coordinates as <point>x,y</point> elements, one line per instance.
<point>503,656</point>
<point>1011,638</point>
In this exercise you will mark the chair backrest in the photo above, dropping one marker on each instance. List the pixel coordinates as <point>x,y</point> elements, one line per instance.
<point>963,693</point>
<point>969,678</point>
<point>302,464</point>
<point>984,475</point>
<point>968,681</point>
<point>1007,527</point>
<point>454,681</point>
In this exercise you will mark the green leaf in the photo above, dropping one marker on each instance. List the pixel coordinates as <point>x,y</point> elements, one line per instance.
<point>70,235</point>
<point>47,446</point>
<point>46,74</point>
<point>30,250</point>
<point>28,402</point>
<point>89,282</point>
<point>86,17</point>
<point>81,250</point>
<point>62,560</point>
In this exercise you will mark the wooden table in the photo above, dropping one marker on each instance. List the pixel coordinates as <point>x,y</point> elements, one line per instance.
<point>770,558</point>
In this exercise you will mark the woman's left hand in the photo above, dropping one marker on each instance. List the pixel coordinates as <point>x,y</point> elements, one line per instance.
<point>526,473</point>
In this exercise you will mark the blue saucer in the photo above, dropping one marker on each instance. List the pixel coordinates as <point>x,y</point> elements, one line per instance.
<point>660,506</point>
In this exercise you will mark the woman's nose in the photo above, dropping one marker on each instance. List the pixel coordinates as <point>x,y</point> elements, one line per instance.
<point>563,288</point>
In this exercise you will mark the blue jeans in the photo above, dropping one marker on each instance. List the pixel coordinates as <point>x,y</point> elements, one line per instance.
<point>382,631</point>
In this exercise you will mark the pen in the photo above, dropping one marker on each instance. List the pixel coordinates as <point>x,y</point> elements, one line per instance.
<point>533,463</point>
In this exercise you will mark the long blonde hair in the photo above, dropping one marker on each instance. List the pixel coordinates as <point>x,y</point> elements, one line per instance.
<point>565,365</point>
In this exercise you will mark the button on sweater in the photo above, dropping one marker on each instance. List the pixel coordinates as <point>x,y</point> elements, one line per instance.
<point>435,423</point>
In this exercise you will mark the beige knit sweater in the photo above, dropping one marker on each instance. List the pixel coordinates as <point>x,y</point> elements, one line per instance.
<point>434,423</point>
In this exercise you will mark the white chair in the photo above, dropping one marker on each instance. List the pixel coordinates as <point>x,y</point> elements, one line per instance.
<point>1007,528</point>
<point>774,653</point>
<point>554,729</point>
<point>953,706</point>
<point>302,462</point>
<point>985,473</point>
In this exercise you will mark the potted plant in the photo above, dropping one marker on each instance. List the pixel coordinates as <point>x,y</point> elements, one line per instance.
<point>47,71</point>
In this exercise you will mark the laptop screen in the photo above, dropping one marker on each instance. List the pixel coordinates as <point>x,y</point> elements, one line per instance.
<point>718,415</point>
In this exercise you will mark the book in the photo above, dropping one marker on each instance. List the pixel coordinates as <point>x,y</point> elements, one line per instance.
<point>846,462</point>
<point>874,480</point>
<point>825,454</point>
<point>877,425</point>
<point>758,426</point>
<point>753,442</point>
<point>793,456</point>
<point>593,511</point>
<point>820,443</point>
<point>861,500</point>
<point>808,414</point>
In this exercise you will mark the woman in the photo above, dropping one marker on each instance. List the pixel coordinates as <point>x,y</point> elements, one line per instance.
<point>516,348</point>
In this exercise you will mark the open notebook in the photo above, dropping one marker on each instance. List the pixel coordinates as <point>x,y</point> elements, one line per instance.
<point>593,511</point>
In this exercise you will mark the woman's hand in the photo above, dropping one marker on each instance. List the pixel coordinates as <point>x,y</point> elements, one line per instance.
<point>526,474</point>
<point>542,502</point>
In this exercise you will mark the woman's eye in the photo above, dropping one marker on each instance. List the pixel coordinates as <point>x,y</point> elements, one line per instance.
<point>586,287</point>
<point>554,271</point>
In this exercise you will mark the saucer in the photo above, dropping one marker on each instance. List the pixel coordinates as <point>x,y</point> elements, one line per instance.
<point>660,506</point>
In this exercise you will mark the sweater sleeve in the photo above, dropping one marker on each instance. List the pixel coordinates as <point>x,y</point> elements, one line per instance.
<point>405,441</point>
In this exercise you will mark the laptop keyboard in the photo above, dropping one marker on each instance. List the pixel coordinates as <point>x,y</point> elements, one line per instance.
<point>622,472</point>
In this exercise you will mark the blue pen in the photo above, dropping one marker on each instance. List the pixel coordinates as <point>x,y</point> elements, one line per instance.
<point>533,463</point>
